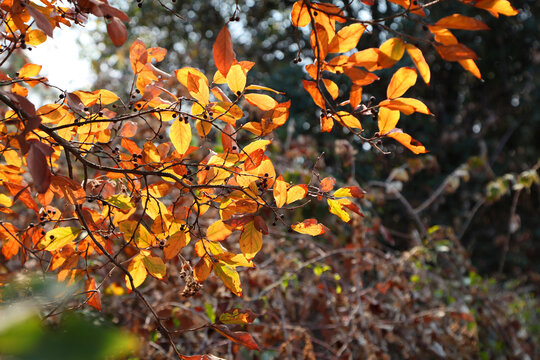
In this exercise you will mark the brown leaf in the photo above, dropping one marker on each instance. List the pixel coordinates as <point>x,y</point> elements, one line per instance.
<point>42,21</point>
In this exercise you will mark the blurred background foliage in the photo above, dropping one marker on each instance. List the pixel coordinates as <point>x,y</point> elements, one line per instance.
<point>482,129</point>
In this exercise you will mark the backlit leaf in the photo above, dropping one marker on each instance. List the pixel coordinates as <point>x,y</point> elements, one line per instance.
<point>388,120</point>
<point>250,241</point>
<point>229,276</point>
<point>262,101</point>
<point>419,61</point>
<point>401,81</point>
<point>346,38</point>
<point>407,141</point>
<point>223,51</point>
<point>58,238</point>
<point>406,105</point>
<point>496,7</point>
<point>280,191</point>
<point>309,227</point>
<point>327,184</point>
<point>296,192</point>
<point>236,79</point>
<point>239,337</point>
<point>390,52</point>
<point>313,90</point>
<point>137,270</point>
<point>180,136</point>
<point>154,265</point>
<point>455,52</point>
<point>462,22</point>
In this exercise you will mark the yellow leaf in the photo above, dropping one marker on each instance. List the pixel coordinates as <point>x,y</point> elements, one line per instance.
<point>401,81</point>
<point>390,52</point>
<point>182,75</point>
<point>406,105</point>
<point>461,22</point>
<point>263,102</point>
<point>135,232</point>
<point>407,141</point>
<point>153,207</point>
<point>105,97</point>
<point>259,87</point>
<point>309,227</point>
<point>154,265</point>
<point>229,276</point>
<point>419,61</point>
<point>35,37</point>
<point>250,240</point>
<point>367,58</point>
<point>180,136</point>
<point>29,70</point>
<point>346,38</point>
<point>280,191</point>
<point>137,270</point>
<point>350,191</point>
<point>296,192</point>
<point>58,238</point>
<point>388,120</point>
<point>348,120</point>
<point>337,209</point>
<point>332,88</point>
<point>236,79</point>
<point>218,231</point>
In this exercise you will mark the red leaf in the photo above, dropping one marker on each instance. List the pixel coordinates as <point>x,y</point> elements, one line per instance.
<point>239,337</point>
<point>37,165</point>
<point>223,51</point>
<point>117,31</point>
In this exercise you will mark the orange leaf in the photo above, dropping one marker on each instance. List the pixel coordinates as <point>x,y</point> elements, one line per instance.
<point>407,141</point>
<point>355,97</point>
<point>496,7</point>
<point>319,39</point>
<point>388,120</point>
<point>346,38</point>
<point>93,294</point>
<point>360,77</point>
<point>419,61</point>
<point>71,190</point>
<point>309,227</point>
<point>239,337</point>
<point>455,52</point>
<point>300,14</point>
<point>327,123</point>
<point>367,58</point>
<point>175,243</point>
<point>138,56</point>
<point>401,81</point>
<point>218,231</point>
<point>327,184</point>
<point>313,90</point>
<point>406,4</point>
<point>223,51</point>
<point>462,22</point>
<point>470,66</point>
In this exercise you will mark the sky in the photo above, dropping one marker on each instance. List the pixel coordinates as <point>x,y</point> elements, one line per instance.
<point>61,58</point>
